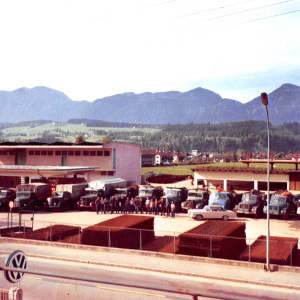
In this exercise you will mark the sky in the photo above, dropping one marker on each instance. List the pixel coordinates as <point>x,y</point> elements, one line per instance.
<point>93,49</point>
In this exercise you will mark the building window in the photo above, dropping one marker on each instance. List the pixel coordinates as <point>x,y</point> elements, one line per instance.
<point>110,173</point>
<point>0,152</point>
<point>64,153</point>
<point>71,153</point>
<point>4,152</point>
<point>37,152</point>
<point>77,153</point>
<point>92,153</point>
<point>58,153</point>
<point>99,153</point>
<point>11,152</point>
<point>106,153</point>
<point>103,173</point>
<point>50,152</point>
<point>31,152</point>
<point>44,152</point>
<point>85,153</point>
<point>114,158</point>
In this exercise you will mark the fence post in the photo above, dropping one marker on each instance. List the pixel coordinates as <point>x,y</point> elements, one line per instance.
<point>79,235</point>
<point>174,244</point>
<point>50,232</point>
<point>291,254</point>
<point>140,239</point>
<point>210,247</point>
<point>24,228</point>
<point>249,252</point>
<point>109,237</point>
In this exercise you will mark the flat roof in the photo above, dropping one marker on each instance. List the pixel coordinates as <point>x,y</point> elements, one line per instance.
<point>254,171</point>
<point>45,145</point>
<point>46,168</point>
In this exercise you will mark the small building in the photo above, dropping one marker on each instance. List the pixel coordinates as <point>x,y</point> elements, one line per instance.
<point>91,161</point>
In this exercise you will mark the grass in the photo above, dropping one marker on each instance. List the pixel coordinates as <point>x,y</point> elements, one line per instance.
<point>72,128</point>
<point>186,169</point>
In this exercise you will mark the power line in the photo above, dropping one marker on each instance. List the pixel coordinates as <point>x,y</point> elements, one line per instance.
<point>250,21</point>
<point>212,9</point>
<point>240,12</point>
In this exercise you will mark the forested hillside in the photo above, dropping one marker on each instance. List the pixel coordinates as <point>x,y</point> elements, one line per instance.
<point>248,135</point>
<point>222,138</point>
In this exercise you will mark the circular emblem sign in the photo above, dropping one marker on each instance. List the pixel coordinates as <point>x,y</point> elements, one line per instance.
<point>17,259</point>
<point>11,204</point>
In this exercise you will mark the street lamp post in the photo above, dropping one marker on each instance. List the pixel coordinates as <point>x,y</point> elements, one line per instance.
<point>264,98</point>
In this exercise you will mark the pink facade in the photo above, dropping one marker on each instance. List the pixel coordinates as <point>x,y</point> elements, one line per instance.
<point>128,161</point>
<point>111,161</point>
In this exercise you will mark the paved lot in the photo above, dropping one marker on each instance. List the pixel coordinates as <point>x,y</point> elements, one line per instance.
<point>163,225</point>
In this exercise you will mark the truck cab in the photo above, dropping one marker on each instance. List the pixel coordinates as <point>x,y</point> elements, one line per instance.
<point>196,198</point>
<point>125,192</point>
<point>280,205</point>
<point>88,200</point>
<point>59,200</point>
<point>252,204</point>
<point>6,195</point>
<point>25,200</point>
<point>151,192</point>
<point>221,198</point>
<point>176,195</point>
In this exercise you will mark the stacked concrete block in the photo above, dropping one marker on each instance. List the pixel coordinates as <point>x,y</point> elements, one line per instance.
<point>126,231</point>
<point>283,250</point>
<point>50,233</point>
<point>216,239</point>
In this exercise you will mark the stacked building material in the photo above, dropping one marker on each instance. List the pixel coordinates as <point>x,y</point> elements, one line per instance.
<point>50,233</point>
<point>283,250</point>
<point>217,239</point>
<point>126,231</point>
<point>166,178</point>
<point>162,244</point>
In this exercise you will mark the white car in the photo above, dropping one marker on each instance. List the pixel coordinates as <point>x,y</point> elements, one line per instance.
<point>211,212</point>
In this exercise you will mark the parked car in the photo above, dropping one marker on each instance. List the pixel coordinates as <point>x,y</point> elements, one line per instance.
<point>211,212</point>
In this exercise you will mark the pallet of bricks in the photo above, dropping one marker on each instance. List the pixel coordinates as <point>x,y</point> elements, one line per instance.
<point>50,233</point>
<point>127,231</point>
<point>217,239</point>
<point>283,250</point>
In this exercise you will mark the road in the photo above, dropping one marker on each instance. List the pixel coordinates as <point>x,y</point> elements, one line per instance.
<point>37,287</point>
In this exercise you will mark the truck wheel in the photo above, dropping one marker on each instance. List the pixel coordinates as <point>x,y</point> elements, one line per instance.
<point>225,218</point>
<point>30,207</point>
<point>285,217</point>
<point>199,217</point>
<point>61,206</point>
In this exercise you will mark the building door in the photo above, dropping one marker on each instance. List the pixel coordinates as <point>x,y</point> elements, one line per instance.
<point>20,157</point>
<point>64,161</point>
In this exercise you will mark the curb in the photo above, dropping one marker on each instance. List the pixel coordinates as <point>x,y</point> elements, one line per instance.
<point>236,280</point>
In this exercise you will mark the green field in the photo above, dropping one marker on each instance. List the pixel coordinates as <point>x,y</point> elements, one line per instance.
<point>186,169</point>
<point>34,132</point>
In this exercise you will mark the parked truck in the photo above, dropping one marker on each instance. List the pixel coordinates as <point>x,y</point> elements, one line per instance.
<point>31,196</point>
<point>196,198</point>
<point>225,199</point>
<point>65,196</point>
<point>101,188</point>
<point>176,195</point>
<point>281,205</point>
<point>252,203</point>
<point>131,192</point>
<point>6,195</point>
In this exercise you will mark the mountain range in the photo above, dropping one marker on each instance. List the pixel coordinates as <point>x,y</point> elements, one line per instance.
<point>198,106</point>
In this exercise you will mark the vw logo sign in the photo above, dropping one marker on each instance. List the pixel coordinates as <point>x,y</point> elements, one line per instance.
<point>17,259</point>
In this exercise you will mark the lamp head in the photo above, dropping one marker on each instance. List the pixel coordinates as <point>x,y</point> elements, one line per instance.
<point>264,98</point>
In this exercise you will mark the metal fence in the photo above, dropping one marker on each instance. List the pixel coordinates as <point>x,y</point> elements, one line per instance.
<point>283,251</point>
